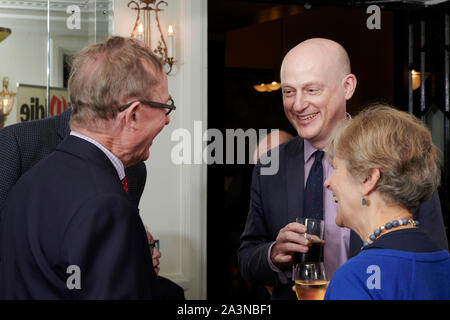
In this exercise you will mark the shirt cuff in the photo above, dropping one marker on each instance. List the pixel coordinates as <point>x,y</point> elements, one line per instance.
<point>281,274</point>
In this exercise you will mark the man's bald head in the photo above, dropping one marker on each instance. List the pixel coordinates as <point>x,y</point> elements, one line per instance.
<point>329,53</point>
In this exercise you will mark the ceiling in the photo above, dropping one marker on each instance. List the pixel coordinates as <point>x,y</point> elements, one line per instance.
<point>225,15</point>
<point>230,14</point>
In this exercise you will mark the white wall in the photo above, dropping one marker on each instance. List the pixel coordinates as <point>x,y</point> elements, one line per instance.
<point>173,205</point>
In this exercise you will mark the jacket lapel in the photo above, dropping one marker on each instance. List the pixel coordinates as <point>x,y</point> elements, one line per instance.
<point>295,179</point>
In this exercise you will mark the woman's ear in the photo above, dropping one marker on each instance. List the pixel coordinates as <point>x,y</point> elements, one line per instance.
<point>349,85</point>
<point>370,182</point>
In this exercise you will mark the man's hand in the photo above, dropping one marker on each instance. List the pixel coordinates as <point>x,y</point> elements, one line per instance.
<point>290,239</point>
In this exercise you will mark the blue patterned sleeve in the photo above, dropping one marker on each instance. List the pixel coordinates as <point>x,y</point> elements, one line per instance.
<point>10,163</point>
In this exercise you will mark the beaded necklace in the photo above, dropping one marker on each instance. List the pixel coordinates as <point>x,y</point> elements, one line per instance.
<point>388,226</point>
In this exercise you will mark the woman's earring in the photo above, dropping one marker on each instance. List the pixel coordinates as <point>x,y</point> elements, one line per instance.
<point>364,201</point>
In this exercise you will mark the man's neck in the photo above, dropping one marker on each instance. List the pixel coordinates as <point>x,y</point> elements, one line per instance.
<point>321,144</point>
<point>318,145</point>
<point>105,140</point>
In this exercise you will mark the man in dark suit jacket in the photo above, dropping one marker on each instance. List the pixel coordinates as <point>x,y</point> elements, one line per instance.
<point>69,229</point>
<point>316,82</point>
<point>24,144</point>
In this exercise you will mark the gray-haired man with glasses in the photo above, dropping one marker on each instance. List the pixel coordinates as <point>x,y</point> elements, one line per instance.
<point>81,236</point>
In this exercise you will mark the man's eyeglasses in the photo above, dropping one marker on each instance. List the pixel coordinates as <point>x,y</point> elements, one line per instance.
<point>169,106</point>
<point>154,245</point>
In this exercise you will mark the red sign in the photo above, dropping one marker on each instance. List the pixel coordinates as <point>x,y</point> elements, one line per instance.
<point>57,105</point>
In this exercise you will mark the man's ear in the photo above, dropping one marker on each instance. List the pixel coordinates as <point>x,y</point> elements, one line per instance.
<point>130,115</point>
<point>370,182</point>
<point>349,83</point>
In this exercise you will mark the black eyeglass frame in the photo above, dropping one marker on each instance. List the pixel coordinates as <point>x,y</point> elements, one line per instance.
<point>154,245</point>
<point>154,104</point>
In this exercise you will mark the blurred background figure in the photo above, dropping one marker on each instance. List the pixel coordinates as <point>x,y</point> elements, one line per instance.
<point>271,140</point>
<point>169,290</point>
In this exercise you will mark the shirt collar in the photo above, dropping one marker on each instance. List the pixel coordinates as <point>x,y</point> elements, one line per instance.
<point>118,165</point>
<point>309,148</point>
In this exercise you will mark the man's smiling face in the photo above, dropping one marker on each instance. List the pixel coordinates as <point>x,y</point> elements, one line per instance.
<point>314,93</point>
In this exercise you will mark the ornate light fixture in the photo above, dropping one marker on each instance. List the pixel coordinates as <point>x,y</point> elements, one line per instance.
<point>6,102</point>
<point>267,87</point>
<point>143,28</point>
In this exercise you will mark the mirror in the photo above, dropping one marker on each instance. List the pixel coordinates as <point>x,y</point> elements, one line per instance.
<point>34,56</point>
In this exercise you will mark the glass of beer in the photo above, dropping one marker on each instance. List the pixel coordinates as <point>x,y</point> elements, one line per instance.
<point>314,234</point>
<point>309,272</point>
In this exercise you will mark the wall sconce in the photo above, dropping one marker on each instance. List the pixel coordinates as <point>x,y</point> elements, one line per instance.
<point>267,87</point>
<point>143,27</point>
<point>416,78</point>
<point>7,100</point>
<point>4,33</point>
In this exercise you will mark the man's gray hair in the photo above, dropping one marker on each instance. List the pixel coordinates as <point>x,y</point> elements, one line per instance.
<point>105,75</point>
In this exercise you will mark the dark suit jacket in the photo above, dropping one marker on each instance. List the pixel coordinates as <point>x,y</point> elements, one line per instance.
<point>70,209</point>
<point>24,144</point>
<point>169,290</point>
<point>277,200</point>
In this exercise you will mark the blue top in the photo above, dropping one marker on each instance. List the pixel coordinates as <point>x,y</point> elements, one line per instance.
<point>401,265</point>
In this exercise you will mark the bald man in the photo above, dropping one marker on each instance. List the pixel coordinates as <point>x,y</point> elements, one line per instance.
<point>316,82</point>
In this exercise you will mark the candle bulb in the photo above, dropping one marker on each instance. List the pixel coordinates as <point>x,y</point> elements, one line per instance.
<point>5,105</point>
<point>170,48</point>
<point>140,31</point>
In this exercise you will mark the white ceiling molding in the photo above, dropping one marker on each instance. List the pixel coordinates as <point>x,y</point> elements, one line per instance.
<point>60,5</point>
<point>31,16</point>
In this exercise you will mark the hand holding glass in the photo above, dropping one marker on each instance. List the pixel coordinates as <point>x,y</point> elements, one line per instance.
<point>314,235</point>
<point>309,272</point>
